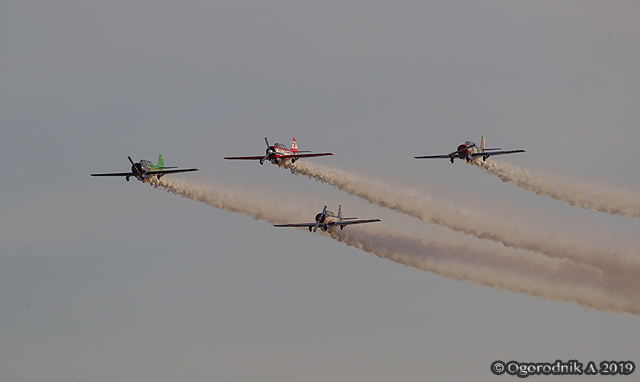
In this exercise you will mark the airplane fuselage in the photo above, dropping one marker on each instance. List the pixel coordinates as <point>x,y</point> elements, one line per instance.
<point>141,171</point>
<point>466,151</point>
<point>328,221</point>
<point>274,154</point>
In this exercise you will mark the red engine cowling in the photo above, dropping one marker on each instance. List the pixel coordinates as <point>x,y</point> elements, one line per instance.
<point>464,151</point>
<point>320,218</point>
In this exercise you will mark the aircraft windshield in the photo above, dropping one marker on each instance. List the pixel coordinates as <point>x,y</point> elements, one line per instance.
<point>146,163</point>
<point>281,146</point>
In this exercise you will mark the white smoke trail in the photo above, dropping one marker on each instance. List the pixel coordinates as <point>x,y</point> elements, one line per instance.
<point>610,201</point>
<point>541,277</point>
<point>253,204</point>
<point>401,199</point>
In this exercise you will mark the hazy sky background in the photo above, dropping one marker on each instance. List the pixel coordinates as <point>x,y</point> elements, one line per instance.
<point>104,280</point>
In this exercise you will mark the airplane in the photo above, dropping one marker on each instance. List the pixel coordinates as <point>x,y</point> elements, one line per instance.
<point>279,153</point>
<point>327,220</point>
<point>469,151</point>
<point>145,170</point>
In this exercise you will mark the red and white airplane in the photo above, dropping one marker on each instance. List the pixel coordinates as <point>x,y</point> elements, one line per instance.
<point>469,151</point>
<point>327,221</point>
<point>279,153</point>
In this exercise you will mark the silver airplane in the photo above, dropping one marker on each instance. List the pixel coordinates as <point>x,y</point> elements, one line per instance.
<point>327,221</point>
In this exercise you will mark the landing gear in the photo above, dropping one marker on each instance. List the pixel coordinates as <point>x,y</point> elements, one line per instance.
<point>309,229</point>
<point>261,162</point>
<point>127,178</point>
<point>451,160</point>
<point>293,160</point>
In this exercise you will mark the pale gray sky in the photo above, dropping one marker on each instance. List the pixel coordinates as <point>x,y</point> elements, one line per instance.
<point>106,280</point>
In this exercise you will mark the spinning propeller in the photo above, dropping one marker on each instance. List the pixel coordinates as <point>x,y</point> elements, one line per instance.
<point>270,150</point>
<point>136,168</point>
<point>320,218</point>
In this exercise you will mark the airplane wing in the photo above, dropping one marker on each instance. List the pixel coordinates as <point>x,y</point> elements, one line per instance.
<point>296,225</point>
<point>347,222</point>
<point>246,158</point>
<point>172,171</point>
<point>281,156</point>
<point>115,174</point>
<point>488,154</point>
<point>304,155</point>
<point>333,223</point>
<point>455,155</point>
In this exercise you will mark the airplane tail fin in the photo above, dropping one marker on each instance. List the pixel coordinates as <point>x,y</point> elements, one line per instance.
<point>341,214</point>
<point>160,161</point>
<point>482,143</point>
<point>294,145</point>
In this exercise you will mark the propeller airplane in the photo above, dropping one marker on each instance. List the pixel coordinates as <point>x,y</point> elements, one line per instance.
<point>279,153</point>
<point>327,221</point>
<point>470,152</point>
<point>146,169</point>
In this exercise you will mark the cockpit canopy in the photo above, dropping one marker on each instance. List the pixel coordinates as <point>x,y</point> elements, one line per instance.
<point>469,144</point>
<point>281,146</point>
<point>147,163</point>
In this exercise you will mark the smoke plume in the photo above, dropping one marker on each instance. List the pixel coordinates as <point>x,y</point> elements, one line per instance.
<point>610,201</point>
<point>534,275</point>
<point>537,276</point>
<point>252,204</point>
<point>401,199</point>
